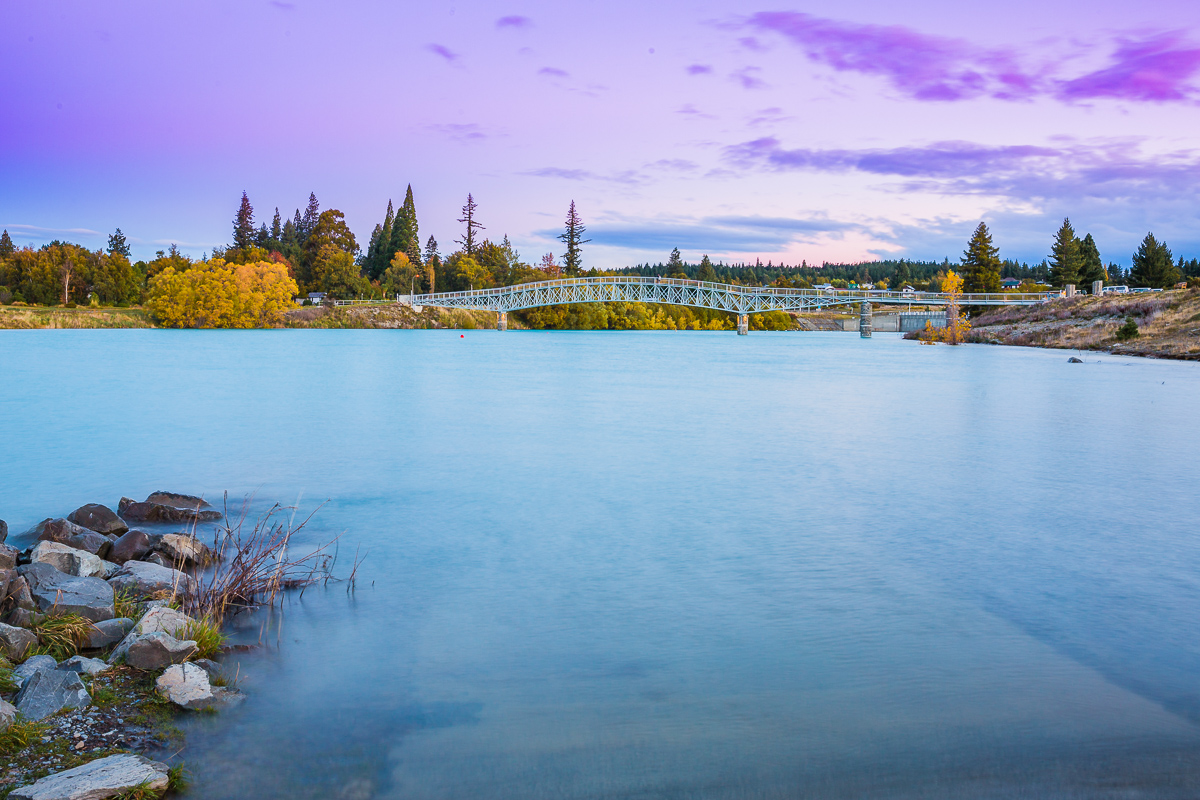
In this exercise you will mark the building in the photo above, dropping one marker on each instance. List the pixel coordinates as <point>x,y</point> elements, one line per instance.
<point>1010,283</point>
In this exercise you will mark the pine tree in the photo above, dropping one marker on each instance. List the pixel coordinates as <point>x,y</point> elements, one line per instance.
<point>414,252</point>
<point>675,265</point>
<point>431,251</point>
<point>7,248</point>
<point>243,225</point>
<point>311,214</point>
<point>263,236</point>
<point>572,237</point>
<point>1064,256</point>
<point>276,227</point>
<point>383,250</point>
<point>288,237</point>
<point>707,273</point>
<point>1116,275</point>
<point>116,244</point>
<point>900,277</point>
<point>981,263</point>
<point>1153,265</point>
<point>373,246</point>
<point>404,228</point>
<point>468,239</point>
<point>1091,268</point>
<point>433,263</point>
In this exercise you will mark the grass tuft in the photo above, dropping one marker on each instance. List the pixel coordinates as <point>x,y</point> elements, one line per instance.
<point>207,636</point>
<point>127,604</point>
<point>61,636</point>
<point>178,778</point>
<point>22,733</point>
<point>140,792</point>
<point>7,682</point>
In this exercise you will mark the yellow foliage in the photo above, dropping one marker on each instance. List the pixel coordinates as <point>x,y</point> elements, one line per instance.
<point>214,294</point>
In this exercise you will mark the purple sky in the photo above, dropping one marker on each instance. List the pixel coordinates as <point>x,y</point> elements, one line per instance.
<point>828,131</point>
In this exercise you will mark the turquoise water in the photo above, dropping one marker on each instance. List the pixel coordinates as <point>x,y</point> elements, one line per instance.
<point>660,565</point>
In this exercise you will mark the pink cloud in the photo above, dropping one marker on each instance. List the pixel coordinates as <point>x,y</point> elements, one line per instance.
<point>747,78</point>
<point>553,72</point>
<point>442,51</point>
<point>699,69</point>
<point>1154,70</point>
<point>514,21</point>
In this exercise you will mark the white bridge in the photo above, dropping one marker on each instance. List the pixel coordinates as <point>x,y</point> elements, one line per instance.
<point>740,300</point>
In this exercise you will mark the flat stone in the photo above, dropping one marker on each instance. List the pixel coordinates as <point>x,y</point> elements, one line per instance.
<point>160,619</point>
<point>9,557</point>
<point>32,664</point>
<point>146,579</point>
<point>132,546</point>
<point>84,665</point>
<point>152,511</point>
<point>182,548</point>
<point>107,633</point>
<point>56,591</point>
<point>102,778</point>
<point>98,518</point>
<point>16,642</point>
<point>8,715</point>
<point>47,692</point>
<point>66,559</point>
<point>186,685</point>
<point>72,535</point>
<point>154,651</point>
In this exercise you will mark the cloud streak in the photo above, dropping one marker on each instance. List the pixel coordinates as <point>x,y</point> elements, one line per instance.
<point>442,51</point>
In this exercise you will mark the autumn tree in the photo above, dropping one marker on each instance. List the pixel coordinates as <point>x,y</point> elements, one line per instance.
<point>401,276</point>
<point>1064,256</point>
<point>215,294</point>
<point>956,324</point>
<point>572,237</point>
<point>550,266</point>
<point>468,216</point>
<point>981,263</point>
<point>1153,265</point>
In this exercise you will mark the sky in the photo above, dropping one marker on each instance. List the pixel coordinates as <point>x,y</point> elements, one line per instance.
<point>823,131</point>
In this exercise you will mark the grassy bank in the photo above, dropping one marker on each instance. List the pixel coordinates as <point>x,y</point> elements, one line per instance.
<point>1168,324</point>
<point>26,317</point>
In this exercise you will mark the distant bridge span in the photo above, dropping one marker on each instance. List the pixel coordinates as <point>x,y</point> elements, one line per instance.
<point>740,300</point>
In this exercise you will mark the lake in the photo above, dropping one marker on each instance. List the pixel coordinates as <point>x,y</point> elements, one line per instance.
<point>666,565</point>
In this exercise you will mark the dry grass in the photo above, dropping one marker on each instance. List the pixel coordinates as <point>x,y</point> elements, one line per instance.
<point>61,635</point>
<point>391,315</point>
<point>28,317</point>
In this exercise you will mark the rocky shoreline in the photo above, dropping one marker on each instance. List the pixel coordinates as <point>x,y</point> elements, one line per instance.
<point>99,656</point>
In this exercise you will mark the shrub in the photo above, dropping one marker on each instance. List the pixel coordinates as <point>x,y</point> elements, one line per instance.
<point>1127,331</point>
<point>214,294</point>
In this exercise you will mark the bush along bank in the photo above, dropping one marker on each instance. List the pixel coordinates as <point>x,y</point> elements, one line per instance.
<point>109,633</point>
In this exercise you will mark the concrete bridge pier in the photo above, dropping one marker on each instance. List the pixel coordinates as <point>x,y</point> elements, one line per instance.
<point>501,320</point>
<point>743,324</point>
<point>864,320</point>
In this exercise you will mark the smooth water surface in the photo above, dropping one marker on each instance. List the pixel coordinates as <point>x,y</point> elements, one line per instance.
<point>660,565</point>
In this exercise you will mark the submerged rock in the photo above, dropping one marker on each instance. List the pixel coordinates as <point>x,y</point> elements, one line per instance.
<point>16,642</point>
<point>98,518</point>
<point>154,651</point>
<point>47,692</point>
<point>72,535</point>
<point>145,579</point>
<point>132,546</point>
<point>32,664</point>
<point>104,777</point>
<point>168,507</point>
<point>91,598</point>
<point>68,560</point>
<point>107,633</point>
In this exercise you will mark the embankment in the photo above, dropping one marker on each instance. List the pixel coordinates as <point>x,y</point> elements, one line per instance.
<point>18,317</point>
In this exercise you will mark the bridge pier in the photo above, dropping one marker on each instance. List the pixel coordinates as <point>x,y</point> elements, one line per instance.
<point>743,324</point>
<point>501,320</point>
<point>864,320</point>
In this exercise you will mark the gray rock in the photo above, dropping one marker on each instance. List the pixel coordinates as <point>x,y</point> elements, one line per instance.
<point>66,559</point>
<point>132,546</point>
<point>6,578</point>
<point>154,651</point>
<point>84,666</point>
<point>159,619</point>
<point>47,692</point>
<point>21,618</point>
<point>110,569</point>
<point>184,549</point>
<point>158,559</point>
<point>107,633</point>
<point>72,535</point>
<point>156,511</point>
<point>32,664</point>
<point>8,715</point>
<point>18,592</point>
<point>9,557</point>
<point>177,500</point>
<point>91,598</point>
<point>215,671</point>
<point>186,685</point>
<point>145,579</point>
<point>98,518</point>
<point>16,642</point>
<point>95,780</point>
<point>3,530</point>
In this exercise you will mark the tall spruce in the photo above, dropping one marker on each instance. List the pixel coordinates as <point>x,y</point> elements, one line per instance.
<point>116,244</point>
<point>468,239</point>
<point>288,237</point>
<point>404,228</point>
<point>311,214</point>
<point>1064,256</point>
<point>675,265</point>
<point>572,237</point>
<point>276,227</point>
<point>707,273</point>
<point>384,252</point>
<point>414,252</point>
<point>433,263</point>
<point>981,263</point>
<point>7,248</point>
<point>263,237</point>
<point>373,246</point>
<point>1153,265</point>
<point>1091,268</point>
<point>900,277</point>
<point>243,225</point>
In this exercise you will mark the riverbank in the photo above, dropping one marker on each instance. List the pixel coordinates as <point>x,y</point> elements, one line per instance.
<point>1168,324</point>
<point>32,317</point>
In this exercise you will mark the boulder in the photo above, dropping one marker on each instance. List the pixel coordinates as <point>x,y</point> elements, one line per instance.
<point>113,776</point>
<point>72,535</point>
<point>132,546</point>
<point>49,691</point>
<point>8,715</point>
<point>7,576</point>
<point>21,617</point>
<point>182,548</point>
<point>98,518</point>
<point>84,665</point>
<point>32,664</point>
<point>167,507</point>
<point>3,530</point>
<point>9,557</point>
<point>91,598</point>
<point>18,592</point>
<point>107,633</point>
<point>215,671</point>
<point>154,651</point>
<point>159,560</point>
<point>110,569</point>
<point>186,685</point>
<point>80,563</point>
<point>160,619</point>
<point>16,642</point>
<point>145,579</point>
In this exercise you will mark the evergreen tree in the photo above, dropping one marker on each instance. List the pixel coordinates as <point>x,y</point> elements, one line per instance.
<point>1064,256</point>
<point>7,248</point>
<point>373,247</point>
<point>572,237</point>
<point>707,273</point>
<point>1091,268</point>
<point>900,276</point>
<point>383,251</point>
<point>433,263</point>
<point>431,251</point>
<point>1153,265</point>
<point>288,237</point>
<point>243,225</point>
<point>981,263</point>
<point>1116,275</point>
<point>263,236</point>
<point>414,252</point>
<point>311,215</point>
<point>468,239</point>
<point>276,227</point>
<point>404,228</point>
<point>116,244</point>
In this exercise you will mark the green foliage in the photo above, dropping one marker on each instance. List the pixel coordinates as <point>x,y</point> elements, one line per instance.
<point>334,272</point>
<point>7,248</point>
<point>1153,265</point>
<point>67,273</point>
<point>61,635</point>
<point>178,778</point>
<point>142,791</point>
<point>404,229</point>
<point>117,246</point>
<point>1091,267</point>
<point>22,733</point>
<point>330,231</point>
<point>572,237</point>
<point>207,636</point>
<point>1128,331</point>
<point>243,225</point>
<point>468,217</point>
<point>981,263</point>
<point>401,276</point>
<point>7,682</point>
<point>707,273</point>
<point>1065,257</point>
<point>126,603</point>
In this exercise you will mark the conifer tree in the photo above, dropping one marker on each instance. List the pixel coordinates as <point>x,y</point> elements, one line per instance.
<point>675,265</point>
<point>707,273</point>
<point>468,239</point>
<point>243,225</point>
<point>276,227</point>
<point>372,257</point>
<point>116,244</point>
<point>7,248</point>
<point>572,237</point>
<point>1153,265</point>
<point>263,236</point>
<point>1091,268</point>
<point>288,237</point>
<point>311,215</point>
<point>414,252</point>
<point>981,263</point>
<point>383,250</point>
<point>900,277</point>
<point>1064,256</point>
<point>404,228</point>
<point>433,263</point>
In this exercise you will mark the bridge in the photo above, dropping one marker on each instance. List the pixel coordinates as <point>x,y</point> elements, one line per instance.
<point>740,300</point>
